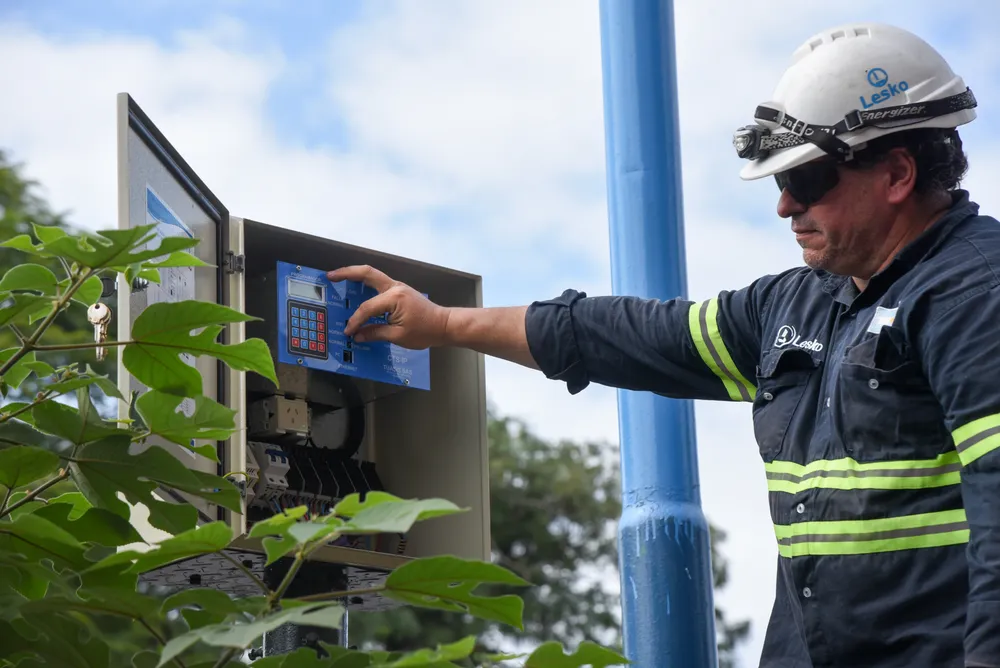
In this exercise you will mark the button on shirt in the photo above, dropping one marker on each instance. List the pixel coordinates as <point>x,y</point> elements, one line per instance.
<point>877,417</point>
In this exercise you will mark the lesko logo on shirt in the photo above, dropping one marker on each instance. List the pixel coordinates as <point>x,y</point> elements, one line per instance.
<point>787,336</point>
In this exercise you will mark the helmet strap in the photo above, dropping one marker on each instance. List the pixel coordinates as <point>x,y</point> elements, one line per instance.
<point>755,142</point>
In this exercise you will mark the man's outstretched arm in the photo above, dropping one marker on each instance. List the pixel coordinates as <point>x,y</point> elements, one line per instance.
<point>706,350</point>
<point>496,331</point>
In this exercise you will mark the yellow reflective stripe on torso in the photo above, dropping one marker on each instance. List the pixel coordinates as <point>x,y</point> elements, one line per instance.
<point>854,537</point>
<point>977,438</point>
<point>847,473</point>
<point>703,320</point>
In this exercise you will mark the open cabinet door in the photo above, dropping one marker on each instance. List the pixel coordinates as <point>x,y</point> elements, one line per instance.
<point>156,186</point>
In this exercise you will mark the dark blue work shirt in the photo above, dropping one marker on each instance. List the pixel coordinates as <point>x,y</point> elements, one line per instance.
<point>877,416</point>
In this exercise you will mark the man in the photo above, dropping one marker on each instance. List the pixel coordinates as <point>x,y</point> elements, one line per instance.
<point>873,371</point>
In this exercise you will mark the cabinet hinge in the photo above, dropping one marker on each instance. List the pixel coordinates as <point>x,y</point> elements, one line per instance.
<point>233,263</point>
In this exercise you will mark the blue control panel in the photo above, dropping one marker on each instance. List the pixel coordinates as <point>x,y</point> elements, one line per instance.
<point>312,314</point>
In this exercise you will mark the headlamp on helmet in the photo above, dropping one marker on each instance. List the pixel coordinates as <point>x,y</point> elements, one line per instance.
<point>755,142</point>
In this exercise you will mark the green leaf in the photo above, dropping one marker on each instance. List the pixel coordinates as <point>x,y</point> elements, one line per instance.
<point>76,501</point>
<point>23,465</point>
<point>21,580</point>
<point>179,259</point>
<point>69,423</point>
<point>106,384</point>
<point>433,657</point>
<point>304,657</point>
<point>115,248</point>
<point>16,306</point>
<point>90,292</point>
<point>163,331</point>
<point>213,606</point>
<point>37,538</point>
<point>382,512</point>
<point>21,369</point>
<point>41,369</point>
<point>67,643</point>
<point>210,420</point>
<point>94,525</point>
<point>240,636</point>
<point>205,539</point>
<point>151,275</point>
<point>91,378</point>
<point>100,600</point>
<point>23,242</point>
<point>16,432</point>
<point>447,583</point>
<point>336,657</point>
<point>279,525</point>
<point>105,468</point>
<point>145,659</point>
<point>30,277</point>
<point>305,532</point>
<point>551,655</point>
<point>47,233</point>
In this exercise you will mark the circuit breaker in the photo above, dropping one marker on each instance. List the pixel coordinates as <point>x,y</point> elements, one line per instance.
<point>345,417</point>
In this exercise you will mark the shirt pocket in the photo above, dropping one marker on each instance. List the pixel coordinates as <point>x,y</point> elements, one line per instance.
<point>782,380</point>
<point>885,408</point>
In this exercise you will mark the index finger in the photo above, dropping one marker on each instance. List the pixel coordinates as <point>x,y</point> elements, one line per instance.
<point>364,273</point>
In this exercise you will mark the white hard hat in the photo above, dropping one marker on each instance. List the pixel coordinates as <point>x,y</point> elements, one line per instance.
<point>846,86</point>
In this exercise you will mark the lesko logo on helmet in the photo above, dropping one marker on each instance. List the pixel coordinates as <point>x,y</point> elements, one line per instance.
<point>879,78</point>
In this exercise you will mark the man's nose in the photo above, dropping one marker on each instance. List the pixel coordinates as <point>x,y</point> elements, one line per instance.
<point>788,206</point>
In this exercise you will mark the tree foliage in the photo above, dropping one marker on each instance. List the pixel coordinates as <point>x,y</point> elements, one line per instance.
<point>554,509</point>
<point>21,208</point>
<point>69,568</point>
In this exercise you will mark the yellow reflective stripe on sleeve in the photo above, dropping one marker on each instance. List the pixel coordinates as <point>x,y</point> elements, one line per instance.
<point>703,320</point>
<point>848,474</point>
<point>852,537</point>
<point>978,438</point>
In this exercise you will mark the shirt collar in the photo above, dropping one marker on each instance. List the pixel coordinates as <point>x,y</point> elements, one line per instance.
<point>843,290</point>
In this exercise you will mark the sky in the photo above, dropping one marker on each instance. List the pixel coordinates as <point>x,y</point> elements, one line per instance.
<point>465,133</point>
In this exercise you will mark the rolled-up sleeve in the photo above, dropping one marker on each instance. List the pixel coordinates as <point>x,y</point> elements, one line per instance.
<point>676,348</point>
<point>961,354</point>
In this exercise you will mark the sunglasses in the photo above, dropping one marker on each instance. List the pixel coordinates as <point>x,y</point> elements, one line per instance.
<point>809,183</point>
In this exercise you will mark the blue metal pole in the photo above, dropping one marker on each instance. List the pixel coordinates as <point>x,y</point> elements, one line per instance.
<point>664,550</point>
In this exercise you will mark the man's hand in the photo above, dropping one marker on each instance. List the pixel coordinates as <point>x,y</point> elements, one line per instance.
<point>414,321</point>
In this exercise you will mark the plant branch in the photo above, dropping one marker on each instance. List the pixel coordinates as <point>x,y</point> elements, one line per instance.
<point>79,346</point>
<point>334,595</point>
<point>63,474</point>
<point>17,332</point>
<point>6,499</point>
<point>250,574</point>
<point>45,396</point>
<point>160,639</point>
<point>224,659</point>
<point>29,344</point>
<point>293,570</point>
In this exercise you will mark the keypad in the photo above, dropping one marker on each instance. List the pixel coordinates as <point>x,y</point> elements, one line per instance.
<point>307,333</point>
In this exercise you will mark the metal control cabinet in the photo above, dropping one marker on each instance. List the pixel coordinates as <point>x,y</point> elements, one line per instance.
<point>417,438</point>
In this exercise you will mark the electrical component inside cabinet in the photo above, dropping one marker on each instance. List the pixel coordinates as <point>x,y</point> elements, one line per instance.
<point>307,435</point>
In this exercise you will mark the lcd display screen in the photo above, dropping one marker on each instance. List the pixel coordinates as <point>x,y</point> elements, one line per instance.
<point>306,291</point>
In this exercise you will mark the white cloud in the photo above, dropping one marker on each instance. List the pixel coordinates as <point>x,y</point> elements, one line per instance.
<point>491,112</point>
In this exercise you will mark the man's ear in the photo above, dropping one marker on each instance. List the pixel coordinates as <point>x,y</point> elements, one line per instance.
<point>901,175</point>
